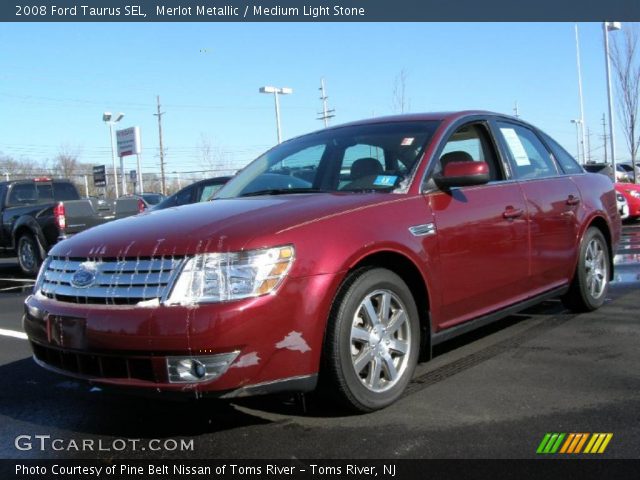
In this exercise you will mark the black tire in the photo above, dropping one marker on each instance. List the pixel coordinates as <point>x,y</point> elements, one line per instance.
<point>28,253</point>
<point>362,355</point>
<point>590,284</point>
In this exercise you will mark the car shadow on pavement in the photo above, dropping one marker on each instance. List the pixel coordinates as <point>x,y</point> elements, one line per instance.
<point>47,402</point>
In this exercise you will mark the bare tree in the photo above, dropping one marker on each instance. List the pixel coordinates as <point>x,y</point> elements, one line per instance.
<point>625,59</point>
<point>213,157</point>
<point>66,163</point>
<point>16,169</point>
<point>399,102</point>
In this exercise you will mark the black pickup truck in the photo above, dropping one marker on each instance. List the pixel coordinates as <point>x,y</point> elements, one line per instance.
<point>37,213</point>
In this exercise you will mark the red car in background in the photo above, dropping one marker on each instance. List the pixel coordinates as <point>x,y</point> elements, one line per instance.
<point>344,255</point>
<point>631,193</point>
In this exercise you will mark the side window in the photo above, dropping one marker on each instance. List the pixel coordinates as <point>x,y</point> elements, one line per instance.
<point>471,143</point>
<point>566,161</point>
<point>184,197</point>
<point>530,157</point>
<point>23,194</point>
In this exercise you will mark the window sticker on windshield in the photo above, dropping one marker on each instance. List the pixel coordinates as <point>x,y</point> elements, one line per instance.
<point>385,180</point>
<point>407,141</point>
<point>516,147</point>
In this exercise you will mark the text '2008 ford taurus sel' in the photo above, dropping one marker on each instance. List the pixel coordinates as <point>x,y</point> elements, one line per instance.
<point>343,255</point>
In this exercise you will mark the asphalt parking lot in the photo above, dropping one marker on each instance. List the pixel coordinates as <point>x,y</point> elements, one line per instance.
<point>490,394</point>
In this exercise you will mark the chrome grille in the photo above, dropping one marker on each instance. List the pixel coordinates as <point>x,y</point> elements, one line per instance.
<point>124,281</point>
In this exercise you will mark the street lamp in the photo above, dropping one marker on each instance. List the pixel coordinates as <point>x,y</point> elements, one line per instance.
<point>578,123</point>
<point>111,121</point>
<point>582,124</point>
<point>277,91</point>
<point>606,28</point>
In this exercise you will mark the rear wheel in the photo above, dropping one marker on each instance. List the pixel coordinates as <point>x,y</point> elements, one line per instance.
<point>372,340</point>
<point>28,254</point>
<point>591,279</point>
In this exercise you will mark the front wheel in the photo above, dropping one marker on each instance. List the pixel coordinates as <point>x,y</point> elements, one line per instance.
<point>28,255</point>
<point>590,283</point>
<point>372,340</point>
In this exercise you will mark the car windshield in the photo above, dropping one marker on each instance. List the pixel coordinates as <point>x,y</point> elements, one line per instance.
<point>359,158</point>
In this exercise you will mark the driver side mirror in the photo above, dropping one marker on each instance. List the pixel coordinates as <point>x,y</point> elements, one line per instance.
<point>462,174</point>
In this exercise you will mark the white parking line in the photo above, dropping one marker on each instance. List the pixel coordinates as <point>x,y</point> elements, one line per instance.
<point>13,333</point>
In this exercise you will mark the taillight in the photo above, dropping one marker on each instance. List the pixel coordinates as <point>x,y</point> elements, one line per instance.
<point>58,214</point>
<point>141,206</point>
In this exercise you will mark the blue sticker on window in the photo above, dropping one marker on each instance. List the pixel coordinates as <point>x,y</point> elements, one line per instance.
<point>385,180</point>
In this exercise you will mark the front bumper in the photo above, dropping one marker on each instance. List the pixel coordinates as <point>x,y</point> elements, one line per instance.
<point>278,338</point>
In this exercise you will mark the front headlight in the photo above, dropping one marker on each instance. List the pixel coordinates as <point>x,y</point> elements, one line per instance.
<point>40,277</point>
<point>219,277</point>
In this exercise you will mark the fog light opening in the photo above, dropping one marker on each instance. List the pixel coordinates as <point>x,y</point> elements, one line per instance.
<point>198,369</point>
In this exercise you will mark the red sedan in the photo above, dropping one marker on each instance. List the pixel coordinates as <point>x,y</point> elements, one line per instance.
<point>345,254</point>
<point>631,193</point>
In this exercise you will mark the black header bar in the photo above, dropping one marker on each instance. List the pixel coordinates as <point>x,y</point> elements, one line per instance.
<point>317,10</point>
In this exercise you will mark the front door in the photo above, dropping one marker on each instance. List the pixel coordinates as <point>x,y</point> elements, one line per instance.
<point>482,234</point>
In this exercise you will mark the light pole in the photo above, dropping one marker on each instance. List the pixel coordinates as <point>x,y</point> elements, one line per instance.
<point>109,120</point>
<point>578,123</point>
<point>606,27</point>
<point>277,91</point>
<point>582,125</point>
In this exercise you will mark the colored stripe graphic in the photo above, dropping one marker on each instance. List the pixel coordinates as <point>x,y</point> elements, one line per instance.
<point>573,443</point>
<point>581,443</point>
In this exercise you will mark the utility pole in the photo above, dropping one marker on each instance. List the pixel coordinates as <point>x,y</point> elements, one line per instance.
<point>588,152</point>
<point>604,137</point>
<point>515,110</point>
<point>582,125</point>
<point>159,115</point>
<point>326,114</point>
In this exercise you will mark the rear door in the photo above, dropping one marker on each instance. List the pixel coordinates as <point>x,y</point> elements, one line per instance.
<point>552,199</point>
<point>481,232</point>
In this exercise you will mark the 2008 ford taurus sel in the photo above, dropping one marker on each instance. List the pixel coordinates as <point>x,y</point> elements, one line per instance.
<point>343,255</point>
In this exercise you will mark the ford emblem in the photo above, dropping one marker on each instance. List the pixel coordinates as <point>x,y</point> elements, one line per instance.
<point>83,278</point>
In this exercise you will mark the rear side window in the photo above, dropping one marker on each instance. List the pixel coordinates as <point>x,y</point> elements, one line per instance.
<point>64,191</point>
<point>45,192</point>
<point>23,194</point>
<point>566,161</point>
<point>529,156</point>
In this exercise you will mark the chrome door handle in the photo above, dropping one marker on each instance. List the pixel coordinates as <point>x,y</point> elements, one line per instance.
<point>511,213</point>
<point>573,200</point>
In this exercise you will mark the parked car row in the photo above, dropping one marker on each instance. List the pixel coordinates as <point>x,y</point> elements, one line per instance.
<point>338,258</point>
<point>628,194</point>
<point>37,213</point>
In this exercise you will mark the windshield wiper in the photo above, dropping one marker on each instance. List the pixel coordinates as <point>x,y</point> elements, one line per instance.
<point>281,191</point>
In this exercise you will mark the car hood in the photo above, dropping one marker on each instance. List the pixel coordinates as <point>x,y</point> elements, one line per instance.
<point>627,187</point>
<point>220,225</point>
